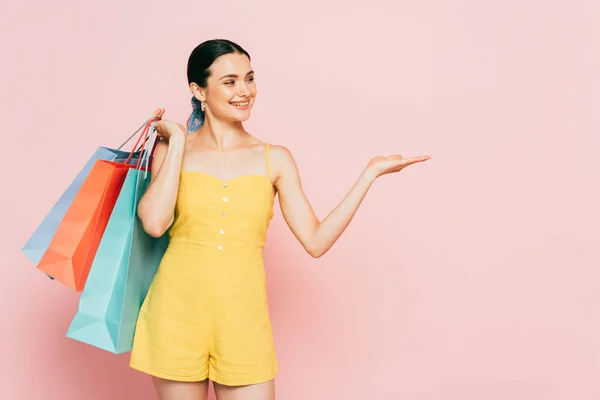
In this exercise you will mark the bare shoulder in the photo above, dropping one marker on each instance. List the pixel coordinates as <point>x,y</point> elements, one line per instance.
<point>281,153</point>
<point>281,157</point>
<point>278,154</point>
<point>283,164</point>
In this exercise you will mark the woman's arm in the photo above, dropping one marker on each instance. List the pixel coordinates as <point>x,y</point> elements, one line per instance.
<point>156,208</point>
<point>317,237</point>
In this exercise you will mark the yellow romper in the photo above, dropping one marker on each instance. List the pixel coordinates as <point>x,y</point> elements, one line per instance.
<point>206,313</point>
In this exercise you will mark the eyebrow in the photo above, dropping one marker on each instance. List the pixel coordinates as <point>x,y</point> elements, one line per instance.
<point>234,75</point>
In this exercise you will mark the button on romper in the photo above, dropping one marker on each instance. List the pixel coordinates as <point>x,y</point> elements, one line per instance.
<point>206,313</point>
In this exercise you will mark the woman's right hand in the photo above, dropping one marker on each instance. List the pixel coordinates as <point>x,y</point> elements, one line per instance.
<point>166,129</point>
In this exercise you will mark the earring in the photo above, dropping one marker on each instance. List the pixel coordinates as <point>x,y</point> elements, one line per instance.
<point>202,106</point>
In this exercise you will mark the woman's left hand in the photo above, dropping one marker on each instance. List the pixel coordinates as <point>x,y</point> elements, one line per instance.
<point>395,163</point>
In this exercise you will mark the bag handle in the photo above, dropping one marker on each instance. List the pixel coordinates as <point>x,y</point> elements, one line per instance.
<point>144,135</point>
<point>136,132</point>
<point>147,155</point>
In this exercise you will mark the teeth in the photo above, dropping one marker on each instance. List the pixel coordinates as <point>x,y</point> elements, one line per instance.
<point>241,104</point>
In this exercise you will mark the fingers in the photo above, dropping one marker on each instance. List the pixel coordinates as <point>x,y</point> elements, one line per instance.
<point>400,164</point>
<point>412,160</point>
<point>161,128</point>
<point>396,163</point>
<point>159,112</point>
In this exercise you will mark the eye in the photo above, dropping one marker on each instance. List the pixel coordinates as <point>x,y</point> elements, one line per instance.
<point>229,82</point>
<point>251,79</point>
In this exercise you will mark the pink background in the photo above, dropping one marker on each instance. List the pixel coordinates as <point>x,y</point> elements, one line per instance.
<point>473,276</point>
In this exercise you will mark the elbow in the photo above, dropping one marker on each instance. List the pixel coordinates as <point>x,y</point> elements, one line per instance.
<point>315,251</point>
<point>152,226</point>
<point>154,230</point>
<point>315,254</point>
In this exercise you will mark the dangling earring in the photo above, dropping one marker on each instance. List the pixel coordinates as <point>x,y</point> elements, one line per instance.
<point>202,106</point>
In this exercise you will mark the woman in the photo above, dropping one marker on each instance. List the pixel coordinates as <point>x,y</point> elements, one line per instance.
<point>205,317</point>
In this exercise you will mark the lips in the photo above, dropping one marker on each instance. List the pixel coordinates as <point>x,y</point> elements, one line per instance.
<point>241,105</point>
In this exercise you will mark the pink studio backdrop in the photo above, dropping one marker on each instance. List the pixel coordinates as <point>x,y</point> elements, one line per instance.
<point>473,276</point>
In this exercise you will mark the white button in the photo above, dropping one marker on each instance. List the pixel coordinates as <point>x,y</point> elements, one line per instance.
<point>223,213</point>
<point>224,198</point>
<point>224,185</point>
<point>220,247</point>
<point>222,231</point>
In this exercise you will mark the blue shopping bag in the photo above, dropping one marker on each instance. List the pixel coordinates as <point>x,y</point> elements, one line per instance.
<point>39,241</point>
<point>123,269</point>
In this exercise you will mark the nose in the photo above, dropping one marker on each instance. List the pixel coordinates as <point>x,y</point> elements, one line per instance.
<point>244,91</point>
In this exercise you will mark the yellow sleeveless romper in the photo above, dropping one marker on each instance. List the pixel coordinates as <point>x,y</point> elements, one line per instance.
<point>206,313</point>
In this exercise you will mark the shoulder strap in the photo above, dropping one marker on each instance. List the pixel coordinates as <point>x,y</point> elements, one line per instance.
<point>267,148</point>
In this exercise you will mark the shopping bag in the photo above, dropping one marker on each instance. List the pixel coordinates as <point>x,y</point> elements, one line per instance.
<point>125,264</point>
<point>38,243</point>
<point>71,251</point>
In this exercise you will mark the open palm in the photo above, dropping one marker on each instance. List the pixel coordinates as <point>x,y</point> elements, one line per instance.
<point>394,163</point>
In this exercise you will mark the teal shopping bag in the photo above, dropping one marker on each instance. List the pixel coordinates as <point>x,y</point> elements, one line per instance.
<point>123,269</point>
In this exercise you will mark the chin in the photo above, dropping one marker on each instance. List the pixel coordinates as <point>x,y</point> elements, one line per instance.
<point>241,116</point>
<point>245,118</point>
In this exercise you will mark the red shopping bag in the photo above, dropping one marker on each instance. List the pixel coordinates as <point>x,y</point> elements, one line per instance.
<point>73,247</point>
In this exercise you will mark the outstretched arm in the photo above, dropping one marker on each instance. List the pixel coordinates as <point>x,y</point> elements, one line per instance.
<point>317,237</point>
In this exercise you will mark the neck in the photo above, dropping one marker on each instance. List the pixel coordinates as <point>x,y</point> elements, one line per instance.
<point>221,135</point>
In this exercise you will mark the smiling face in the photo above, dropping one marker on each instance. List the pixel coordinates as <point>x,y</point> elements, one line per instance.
<point>230,91</point>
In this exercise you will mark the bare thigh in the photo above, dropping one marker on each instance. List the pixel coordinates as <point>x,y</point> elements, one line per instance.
<point>173,390</point>
<point>261,391</point>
